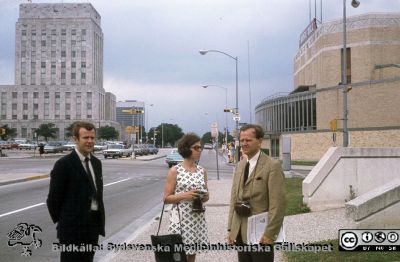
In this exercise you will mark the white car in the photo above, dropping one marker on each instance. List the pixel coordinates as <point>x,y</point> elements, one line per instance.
<point>117,151</point>
<point>69,146</point>
<point>208,146</point>
<point>100,147</point>
<point>27,146</point>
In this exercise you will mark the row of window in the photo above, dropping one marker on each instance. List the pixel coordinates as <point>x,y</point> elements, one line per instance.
<point>36,117</point>
<point>289,115</point>
<point>63,32</point>
<point>53,54</point>
<point>43,43</point>
<point>14,95</point>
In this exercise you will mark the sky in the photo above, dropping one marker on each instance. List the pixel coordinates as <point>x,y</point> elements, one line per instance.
<point>151,52</point>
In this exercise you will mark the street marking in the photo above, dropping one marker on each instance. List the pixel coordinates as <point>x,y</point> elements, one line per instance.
<point>22,209</point>
<point>117,182</point>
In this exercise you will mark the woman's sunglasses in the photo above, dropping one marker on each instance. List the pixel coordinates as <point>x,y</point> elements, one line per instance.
<point>197,148</point>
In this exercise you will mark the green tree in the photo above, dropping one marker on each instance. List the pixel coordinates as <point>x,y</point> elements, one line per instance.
<point>10,133</point>
<point>47,130</point>
<point>206,138</point>
<point>107,133</point>
<point>68,132</point>
<point>172,133</point>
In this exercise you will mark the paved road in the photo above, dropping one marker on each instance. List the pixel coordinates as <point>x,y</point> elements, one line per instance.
<point>132,195</point>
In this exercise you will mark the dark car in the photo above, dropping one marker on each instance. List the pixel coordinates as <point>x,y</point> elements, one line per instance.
<point>152,149</point>
<point>173,158</point>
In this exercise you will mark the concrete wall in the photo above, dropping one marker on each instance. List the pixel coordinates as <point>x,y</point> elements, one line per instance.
<point>313,145</point>
<point>343,174</point>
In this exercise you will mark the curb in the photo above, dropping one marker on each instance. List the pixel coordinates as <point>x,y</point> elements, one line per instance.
<point>138,159</point>
<point>25,179</point>
<point>158,157</point>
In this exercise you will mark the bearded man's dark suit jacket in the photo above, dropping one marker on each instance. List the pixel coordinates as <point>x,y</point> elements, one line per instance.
<point>264,190</point>
<point>70,197</point>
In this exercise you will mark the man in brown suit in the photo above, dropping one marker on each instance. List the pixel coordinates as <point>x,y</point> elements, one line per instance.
<point>262,190</point>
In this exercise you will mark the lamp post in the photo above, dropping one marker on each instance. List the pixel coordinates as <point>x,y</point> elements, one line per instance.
<point>147,122</point>
<point>226,106</point>
<point>355,4</point>
<point>203,52</point>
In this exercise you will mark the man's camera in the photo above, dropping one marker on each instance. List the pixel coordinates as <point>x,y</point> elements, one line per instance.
<point>242,208</point>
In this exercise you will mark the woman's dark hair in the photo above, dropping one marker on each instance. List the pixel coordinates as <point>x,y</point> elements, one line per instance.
<point>186,142</point>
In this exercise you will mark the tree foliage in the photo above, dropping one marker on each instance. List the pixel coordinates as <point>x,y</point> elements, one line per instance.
<point>48,130</point>
<point>10,133</point>
<point>172,133</point>
<point>68,132</point>
<point>107,133</point>
<point>206,138</point>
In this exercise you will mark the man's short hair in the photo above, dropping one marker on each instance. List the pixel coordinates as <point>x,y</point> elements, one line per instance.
<point>81,124</point>
<point>186,142</point>
<point>259,132</point>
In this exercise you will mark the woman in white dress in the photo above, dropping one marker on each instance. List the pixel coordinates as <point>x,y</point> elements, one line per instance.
<point>186,182</point>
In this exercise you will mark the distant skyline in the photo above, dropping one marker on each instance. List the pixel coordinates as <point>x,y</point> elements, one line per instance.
<point>151,52</point>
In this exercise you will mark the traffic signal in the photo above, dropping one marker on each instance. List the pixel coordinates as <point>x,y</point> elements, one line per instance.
<point>2,131</point>
<point>226,110</point>
<point>133,111</point>
<point>333,124</point>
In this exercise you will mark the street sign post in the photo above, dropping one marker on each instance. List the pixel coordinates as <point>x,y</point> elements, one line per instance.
<point>214,134</point>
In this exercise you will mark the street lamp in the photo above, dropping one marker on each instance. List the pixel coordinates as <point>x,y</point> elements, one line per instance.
<point>147,122</point>
<point>355,4</point>
<point>226,106</point>
<point>203,52</point>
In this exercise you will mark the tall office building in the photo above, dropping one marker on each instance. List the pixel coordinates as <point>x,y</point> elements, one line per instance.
<point>58,70</point>
<point>126,119</point>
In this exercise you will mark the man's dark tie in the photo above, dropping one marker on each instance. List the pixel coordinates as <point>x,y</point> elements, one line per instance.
<point>89,174</point>
<point>246,172</point>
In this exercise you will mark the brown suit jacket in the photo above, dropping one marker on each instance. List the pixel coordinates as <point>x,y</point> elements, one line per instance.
<point>265,192</point>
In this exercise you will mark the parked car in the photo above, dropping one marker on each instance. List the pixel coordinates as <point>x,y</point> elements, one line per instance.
<point>145,149</point>
<point>69,146</point>
<point>116,151</point>
<point>27,146</point>
<point>100,146</point>
<point>5,144</point>
<point>53,147</point>
<point>137,150</point>
<point>208,146</point>
<point>153,150</point>
<point>173,158</point>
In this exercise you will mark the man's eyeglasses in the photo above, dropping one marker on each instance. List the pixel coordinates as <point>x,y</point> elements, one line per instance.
<point>197,148</point>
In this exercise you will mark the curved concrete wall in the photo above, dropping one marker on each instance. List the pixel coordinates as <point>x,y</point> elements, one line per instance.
<point>343,174</point>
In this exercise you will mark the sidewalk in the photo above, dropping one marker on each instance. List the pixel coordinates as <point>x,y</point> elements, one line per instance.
<point>217,209</point>
<point>302,228</point>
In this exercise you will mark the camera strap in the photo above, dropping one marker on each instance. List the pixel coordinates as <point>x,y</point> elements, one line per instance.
<point>162,212</point>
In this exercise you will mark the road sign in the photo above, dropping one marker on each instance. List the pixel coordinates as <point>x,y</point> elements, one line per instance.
<point>236,117</point>
<point>214,129</point>
<point>129,129</point>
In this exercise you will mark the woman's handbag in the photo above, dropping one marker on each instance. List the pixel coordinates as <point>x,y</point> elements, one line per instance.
<point>168,248</point>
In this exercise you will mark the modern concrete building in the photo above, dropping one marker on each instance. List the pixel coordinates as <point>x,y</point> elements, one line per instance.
<point>58,70</point>
<point>128,119</point>
<point>373,72</point>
